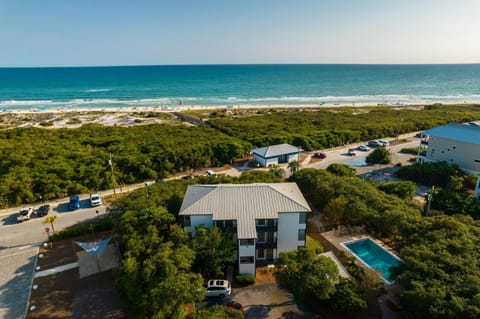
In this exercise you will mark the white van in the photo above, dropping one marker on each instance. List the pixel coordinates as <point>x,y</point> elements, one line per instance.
<point>95,200</point>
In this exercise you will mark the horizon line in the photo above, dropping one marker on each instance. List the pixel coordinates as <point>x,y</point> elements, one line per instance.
<point>227,64</point>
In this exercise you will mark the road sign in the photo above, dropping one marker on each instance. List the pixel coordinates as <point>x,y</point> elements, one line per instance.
<point>47,229</point>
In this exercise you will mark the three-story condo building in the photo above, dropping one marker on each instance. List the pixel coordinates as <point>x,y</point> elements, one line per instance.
<point>267,219</point>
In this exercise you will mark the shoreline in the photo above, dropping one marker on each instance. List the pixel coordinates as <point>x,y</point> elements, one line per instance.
<point>167,109</point>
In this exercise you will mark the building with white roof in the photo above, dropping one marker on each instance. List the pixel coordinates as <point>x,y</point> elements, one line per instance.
<point>267,219</point>
<point>455,144</point>
<point>275,154</point>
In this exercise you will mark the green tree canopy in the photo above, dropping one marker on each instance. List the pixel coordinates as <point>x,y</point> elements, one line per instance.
<point>304,273</point>
<point>213,250</point>
<point>155,278</point>
<point>341,169</point>
<point>380,155</point>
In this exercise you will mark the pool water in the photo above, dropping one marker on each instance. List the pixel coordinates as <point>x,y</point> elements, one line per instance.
<point>373,256</point>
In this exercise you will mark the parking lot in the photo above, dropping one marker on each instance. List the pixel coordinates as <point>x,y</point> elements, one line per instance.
<point>18,267</point>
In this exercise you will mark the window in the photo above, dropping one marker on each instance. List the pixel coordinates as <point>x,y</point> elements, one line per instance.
<point>246,242</point>
<point>261,253</point>
<point>269,253</point>
<point>302,218</point>
<point>219,223</point>
<point>186,221</point>
<point>247,260</point>
<point>301,234</point>
<point>261,237</point>
<point>477,161</point>
<point>229,223</point>
<point>261,222</point>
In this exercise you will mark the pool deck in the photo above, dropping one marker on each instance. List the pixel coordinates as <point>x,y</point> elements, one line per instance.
<point>343,233</point>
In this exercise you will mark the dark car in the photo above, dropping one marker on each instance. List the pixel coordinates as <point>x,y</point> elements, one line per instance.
<point>235,306</point>
<point>74,202</point>
<point>351,152</point>
<point>319,155</point>
<point>43,210</point>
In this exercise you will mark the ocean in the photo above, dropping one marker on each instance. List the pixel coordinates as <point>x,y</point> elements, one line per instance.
<point>236,85</point>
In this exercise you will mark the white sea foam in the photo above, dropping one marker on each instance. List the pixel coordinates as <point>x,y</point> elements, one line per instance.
<point>358,100</point>
<point>97,90</point>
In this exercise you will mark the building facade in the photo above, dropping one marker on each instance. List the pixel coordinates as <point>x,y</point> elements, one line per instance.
<point>276,154</point>
<point>266,219</point>
<point>455,144</point>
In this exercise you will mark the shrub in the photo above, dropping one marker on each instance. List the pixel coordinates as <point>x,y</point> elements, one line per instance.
<point>379,156</point>
<point>46,123</point>
<point>245,279</point>
<point>74,121</point>
<point>97,226</point>
<point>411,150</point>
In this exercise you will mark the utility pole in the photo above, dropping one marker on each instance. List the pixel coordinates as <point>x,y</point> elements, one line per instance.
<point>430,197</point>
<point>110,162</point>
<point>398,128</point>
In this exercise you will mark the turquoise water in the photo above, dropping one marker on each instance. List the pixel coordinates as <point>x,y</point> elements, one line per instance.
<point>374,256</point>
<point>224,85</point>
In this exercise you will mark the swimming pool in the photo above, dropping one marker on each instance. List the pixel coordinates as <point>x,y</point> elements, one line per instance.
<point>373,256</point>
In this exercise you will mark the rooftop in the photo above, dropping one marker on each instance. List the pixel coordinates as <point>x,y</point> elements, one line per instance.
<point>276,150</point>
<point>244,203</point>
<point>458,132</point>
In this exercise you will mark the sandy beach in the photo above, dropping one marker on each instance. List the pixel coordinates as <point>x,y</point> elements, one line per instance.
<point>129,116</point>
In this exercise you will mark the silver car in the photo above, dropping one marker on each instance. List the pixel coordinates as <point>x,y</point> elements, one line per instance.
<point>218,288</point>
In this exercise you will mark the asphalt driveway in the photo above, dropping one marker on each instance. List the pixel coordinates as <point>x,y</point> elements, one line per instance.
<point>269,301</point>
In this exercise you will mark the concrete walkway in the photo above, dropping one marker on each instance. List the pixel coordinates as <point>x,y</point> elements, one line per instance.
<point>55,270</point>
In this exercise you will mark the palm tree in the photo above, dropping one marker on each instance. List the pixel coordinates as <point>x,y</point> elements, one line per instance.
<point>294,166</point>
<point>50,220</point>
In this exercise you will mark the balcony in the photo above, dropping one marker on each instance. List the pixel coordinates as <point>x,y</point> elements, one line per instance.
<point>267,244</point>
<point>267,227</point>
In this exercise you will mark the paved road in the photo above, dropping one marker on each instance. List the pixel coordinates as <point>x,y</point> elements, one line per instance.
<point>30,232</point>
<point>338,155</point>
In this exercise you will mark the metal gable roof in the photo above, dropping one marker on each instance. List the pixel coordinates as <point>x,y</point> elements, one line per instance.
<point>276,150</point>
<point>458,132</point>
<point>244,203</point>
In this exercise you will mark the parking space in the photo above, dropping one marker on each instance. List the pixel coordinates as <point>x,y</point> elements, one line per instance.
<point>18,267</point>
<point>268,301</point>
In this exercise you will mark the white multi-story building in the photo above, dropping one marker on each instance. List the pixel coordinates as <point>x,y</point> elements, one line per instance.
<point>267,219</point>
<point>455,144</point>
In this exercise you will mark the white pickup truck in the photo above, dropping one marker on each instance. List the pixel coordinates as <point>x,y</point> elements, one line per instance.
<point>25,214</point>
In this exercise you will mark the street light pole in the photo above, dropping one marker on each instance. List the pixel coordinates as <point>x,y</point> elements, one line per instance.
<point>430,197</point>
<point>110,162</point>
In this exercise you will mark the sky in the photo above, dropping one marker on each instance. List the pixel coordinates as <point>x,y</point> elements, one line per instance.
<point>147,32</point>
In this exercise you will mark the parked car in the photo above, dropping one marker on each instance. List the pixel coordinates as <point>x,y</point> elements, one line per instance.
<point>384,143</point>
<point>364,148</point>
<point>209,173</point>
<point>218,288</point>
<point>25,214</point>
<point>235,306</point>
<point>43,210</point>
<point>375,143</point>
<point>351,152</point>
<point>74,202</point>
<point>95,200</point>
<point>320,155</point>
